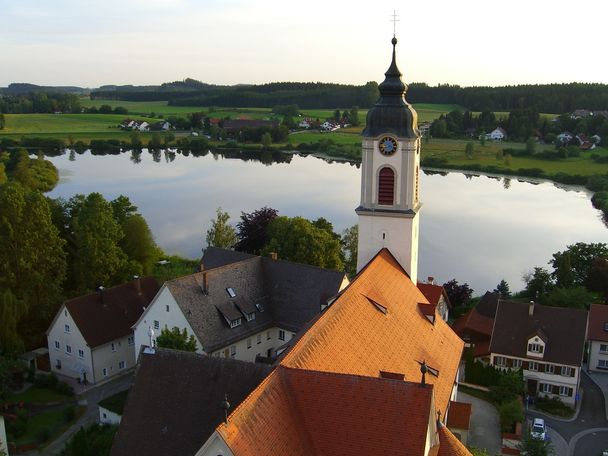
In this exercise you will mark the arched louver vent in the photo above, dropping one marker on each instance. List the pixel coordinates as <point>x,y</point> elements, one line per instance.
<point>386,186</point>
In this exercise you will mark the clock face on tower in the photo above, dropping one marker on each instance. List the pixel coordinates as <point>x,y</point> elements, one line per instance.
<point>387,145</point>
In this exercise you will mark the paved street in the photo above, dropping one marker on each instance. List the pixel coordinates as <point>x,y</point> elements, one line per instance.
<point>587,433</point>
<point>485,424</point>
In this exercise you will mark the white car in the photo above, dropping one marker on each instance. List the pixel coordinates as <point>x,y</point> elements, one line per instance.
<point>538,430</point>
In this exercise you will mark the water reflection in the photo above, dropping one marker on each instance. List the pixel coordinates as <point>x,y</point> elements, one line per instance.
<point>470,228</point>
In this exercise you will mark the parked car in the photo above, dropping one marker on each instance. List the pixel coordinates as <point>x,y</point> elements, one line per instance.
<point>538,431</point>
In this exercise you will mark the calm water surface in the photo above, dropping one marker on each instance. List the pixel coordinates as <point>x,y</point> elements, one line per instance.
<point>475,229</point>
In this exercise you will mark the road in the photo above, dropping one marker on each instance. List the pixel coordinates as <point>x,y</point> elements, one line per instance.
<point>587,433</point>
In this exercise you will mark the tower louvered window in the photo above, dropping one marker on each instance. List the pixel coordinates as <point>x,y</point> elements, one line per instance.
<point>386,186</point>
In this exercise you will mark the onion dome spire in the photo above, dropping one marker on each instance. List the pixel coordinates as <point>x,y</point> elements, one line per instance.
<point>391,113</point>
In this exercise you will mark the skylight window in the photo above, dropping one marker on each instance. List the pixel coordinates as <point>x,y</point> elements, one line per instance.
<point>231,292</point>
<point>260,307</point>
<point>251,316</point>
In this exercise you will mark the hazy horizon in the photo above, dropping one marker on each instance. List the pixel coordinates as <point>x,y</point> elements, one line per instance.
<point>148,42</point>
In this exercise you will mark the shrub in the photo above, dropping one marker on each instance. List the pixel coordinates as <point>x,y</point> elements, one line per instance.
<point>510,413</point>
<point>69,413</point>
<point>45,381</point>
<point>64,388</point>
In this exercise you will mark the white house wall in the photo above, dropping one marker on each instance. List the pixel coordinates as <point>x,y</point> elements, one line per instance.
<point>157,311</point>
<point>214,446</point>
<point>108,417</point>
<point>244,352</point>
<point>3,443</point>
<point>595,355</point>
<point>110,360</point>
<point>71,363</point>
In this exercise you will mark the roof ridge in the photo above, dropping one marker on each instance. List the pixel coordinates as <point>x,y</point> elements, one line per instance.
<point>114,287</point>
<point>266,259</point>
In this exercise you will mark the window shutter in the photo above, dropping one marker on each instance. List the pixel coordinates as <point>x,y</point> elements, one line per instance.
<point>386,186</point>
<point>572,373</point>
<point>541,367</point>
<point>525,365</point>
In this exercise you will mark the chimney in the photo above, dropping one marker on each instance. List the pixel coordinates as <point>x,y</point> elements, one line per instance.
<point>137,284</point>
<point>100,291</point>
<point>205,284</point>
<point>430,280</point>
<point>273,255</point>
<point>531,308</point>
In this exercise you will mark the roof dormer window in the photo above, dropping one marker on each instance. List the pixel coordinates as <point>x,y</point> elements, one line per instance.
<point>535,348</point>
<point>235,323</point>
<point>231,292</point>
<point>260,307</point>
<point>251,316</point>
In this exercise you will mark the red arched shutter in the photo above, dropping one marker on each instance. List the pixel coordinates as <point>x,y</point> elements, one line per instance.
<point>386,186</point>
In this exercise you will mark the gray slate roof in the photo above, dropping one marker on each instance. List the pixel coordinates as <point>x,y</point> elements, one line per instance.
<point>564,328</point>
<point>215,257</point>
<point>290,295</point>
<point>160,419</point>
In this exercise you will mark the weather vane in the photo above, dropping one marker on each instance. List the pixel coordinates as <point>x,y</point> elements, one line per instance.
<point>394,20</point>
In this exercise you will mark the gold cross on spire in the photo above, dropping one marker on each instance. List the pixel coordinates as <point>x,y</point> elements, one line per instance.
<point>394,20</point>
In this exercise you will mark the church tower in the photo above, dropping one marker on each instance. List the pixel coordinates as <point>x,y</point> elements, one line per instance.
<point>388,214</point>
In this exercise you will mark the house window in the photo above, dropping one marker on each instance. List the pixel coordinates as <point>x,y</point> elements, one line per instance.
<point>604,348</point>
<point>65,313</point>
<point>602,364</point>
<point>66,328</point>
<point>231,292</point>
<point>233,351</point>
<point>251,316</point>
<point>532,366</point>
<point>80,353</point>
<point>131,340</point>
<point>535,348</point>
<point>386,186</point>
<point>566,371</point>
<point>167,307</point>
<point>104,371</point>
<point>500,361</point>
<point>259,341</point>
<point>565,391</point>
<point>58,364</point>
<point>113,347</point>
<point>57,345</point>
<point>549,369</point>
<point>235,323</point>
<point>156,324</point>
<point>226,353</point>
<point>546,388</point>
<point>517,363</point>
<point>68,349</point>
<point>121,364</point>
<point>249,343</point>
<point>281,334</point>
<point>268,335</point>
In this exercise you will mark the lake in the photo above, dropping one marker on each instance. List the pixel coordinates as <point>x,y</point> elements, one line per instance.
<point>477,229</point>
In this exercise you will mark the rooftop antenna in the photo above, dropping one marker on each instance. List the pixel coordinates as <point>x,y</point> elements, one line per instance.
<point>394,20</point>
<point>225,406</point>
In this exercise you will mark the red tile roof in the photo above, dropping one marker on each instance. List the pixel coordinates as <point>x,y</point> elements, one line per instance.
<point>449,445</point>
<point>459,415</point>
<point>433,293</point>
<point>598,319</point>
<point>354,336</point>
<point>301,412</point>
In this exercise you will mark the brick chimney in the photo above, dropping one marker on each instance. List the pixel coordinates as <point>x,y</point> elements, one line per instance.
<point>430,280</point>
<point>205,283</point>
<point>137,284</point>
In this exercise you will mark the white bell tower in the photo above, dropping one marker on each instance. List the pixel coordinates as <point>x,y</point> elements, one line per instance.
<point>388,213</point>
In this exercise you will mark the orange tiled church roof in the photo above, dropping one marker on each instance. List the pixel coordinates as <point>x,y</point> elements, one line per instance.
<point>376,325</point>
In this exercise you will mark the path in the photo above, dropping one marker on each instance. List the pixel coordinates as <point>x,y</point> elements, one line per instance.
<point>485,424</point>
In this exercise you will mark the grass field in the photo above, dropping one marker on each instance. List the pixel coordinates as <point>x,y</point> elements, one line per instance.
<point>35,124</point>
<point>34,395</point>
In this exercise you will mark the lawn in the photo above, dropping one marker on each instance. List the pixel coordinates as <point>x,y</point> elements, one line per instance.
<point>52,423</point>
<point>34,395</point>
<point>141,107</point>
<point>63,123</point>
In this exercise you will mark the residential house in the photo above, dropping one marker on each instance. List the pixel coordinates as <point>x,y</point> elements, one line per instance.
<point>498,134</point>
<point>597,335</point>
<point>459,420</point>
<point>436,296</point>
<point>565,137</point>
<point>161,125</point>
<point>372,363</point>
<point>546,343</point>
<point>91,338</point>
<point>475,326</point>
<point>142,126</point>
<point>581,113</point>
<point>127,124</point>
<point>176,400</point>
<point>305,123</point>
<point>329,126</point>
<point>240,306</point>
<point>596,139</point>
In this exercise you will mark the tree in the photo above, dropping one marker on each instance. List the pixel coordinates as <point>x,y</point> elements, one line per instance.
<point>122,208</point>
<point>581,256</point>
<point>2,121</point>
<point>11,312</point>
<point>597,280</point>
<point>503,288</point>
<point>469,149</point>
<point>350,240</point>
<point>138,243</point>
<point>577,297</point>
<point>353,116</point>
<point>221,234</point>
<point>266,140</point>
<point>563,273</point>
<point>32,259</point>
<point>252,230</point>
<point>136,140</point>
<point>530,446</point>
<point>531,146</point>
<point>94,440</point>
<point>297,239</point>
<point>458,294</point>
<point>337,115</point>
<point>538,282</point>
<point>98,259</point>
<point>3,176</point>
<point>176,339</point>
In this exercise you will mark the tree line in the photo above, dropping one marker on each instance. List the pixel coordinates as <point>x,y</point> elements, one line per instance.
<point>39,102</point>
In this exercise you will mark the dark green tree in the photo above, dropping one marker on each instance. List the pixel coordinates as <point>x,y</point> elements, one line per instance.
<point>176,339</point>
<point>11,312</point>
<point>581,256</point>
<point>469,149</point>
<point>577,297</point>
<point>503,288</point>
<point>2,121</point>
<point>538,282</point>
<point>138,244</point>
<point>531,146</point>
<point>353,116</point>
<point>458,294</point>
<point>350,239</point>
<point>122,208</point>
<point>221,234</point>
<point>95,440</point>
<point>297,239</point>
<point>337,115</point>
<point>597,280</point>
<point>252,230</point>
<point>266,140</point>
<point>535,447</point>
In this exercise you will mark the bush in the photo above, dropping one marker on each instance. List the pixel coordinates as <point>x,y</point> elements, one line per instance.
<point>69,413</point>
<point>510,413</point>
<point>64,388</point>
<point>45,381</point>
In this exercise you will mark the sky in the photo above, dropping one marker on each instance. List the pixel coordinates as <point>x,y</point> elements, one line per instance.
<point>469,42</point>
